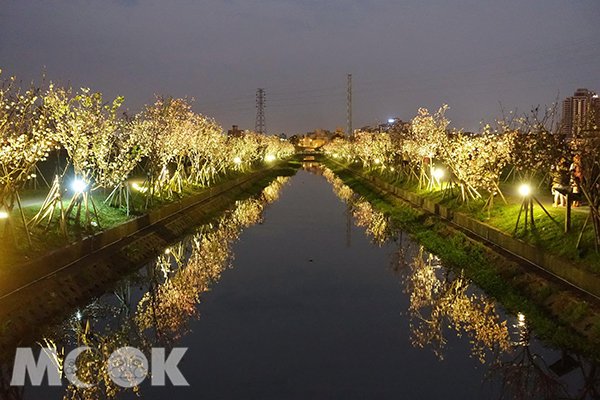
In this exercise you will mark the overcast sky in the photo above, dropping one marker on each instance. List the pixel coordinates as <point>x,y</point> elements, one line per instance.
<point>472,55</point>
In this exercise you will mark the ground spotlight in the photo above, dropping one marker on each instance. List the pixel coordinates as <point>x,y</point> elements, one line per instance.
<point>525,190</point>
<point>438,173</point>
<point>78,185</point>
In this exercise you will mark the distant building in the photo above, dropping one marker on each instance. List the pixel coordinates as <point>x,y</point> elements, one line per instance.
<point>235,131</point>
<point>316,139</point>
<point>581,112</point>
<point>392,124</point>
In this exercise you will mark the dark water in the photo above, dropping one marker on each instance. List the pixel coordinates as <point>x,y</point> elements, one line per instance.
<point>296,301</point>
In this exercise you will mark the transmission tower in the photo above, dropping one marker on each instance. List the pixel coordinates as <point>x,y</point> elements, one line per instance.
<point>349,106</point>
<point>260,125</point>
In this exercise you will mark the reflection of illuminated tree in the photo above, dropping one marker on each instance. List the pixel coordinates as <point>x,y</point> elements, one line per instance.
<point>448,304</point>
<point>376,224</point>
<point>169,306</point>
<point>365,216</point>
<point>176,279</point>
<point>526,376</point>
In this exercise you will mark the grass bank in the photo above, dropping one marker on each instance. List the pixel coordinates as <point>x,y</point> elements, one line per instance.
<point>15,249</point>
<point>548,234</point>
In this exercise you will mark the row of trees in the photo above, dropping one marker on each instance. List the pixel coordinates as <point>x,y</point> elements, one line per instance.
<point>167,143</point>
<point>523,148</point>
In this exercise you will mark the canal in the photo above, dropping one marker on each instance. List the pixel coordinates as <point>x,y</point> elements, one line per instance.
<point>307,292</point>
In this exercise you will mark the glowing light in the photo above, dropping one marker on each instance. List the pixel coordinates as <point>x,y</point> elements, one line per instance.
<point>270,158</point>
<point>237,160</point>
<point>392,169</point>
<point>167,251</point>
<point>78,185</point>
<point>137,187</point>
<point>521,319</point>
<point>377,161</point>
<point>3,214</point>
<point>391,120</point>
<point>438,173</point>
<point>525,189</point>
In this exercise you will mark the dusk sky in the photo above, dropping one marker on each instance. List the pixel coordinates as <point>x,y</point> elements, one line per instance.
<point>472,55</point>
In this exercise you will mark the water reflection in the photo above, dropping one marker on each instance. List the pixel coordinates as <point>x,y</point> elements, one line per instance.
<point>152,308</point>
<point>376,224</point>
<point>439,300</point>
<point>443,303</point>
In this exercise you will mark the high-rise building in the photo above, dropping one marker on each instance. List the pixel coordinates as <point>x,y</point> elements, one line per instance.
<point>581,112</point>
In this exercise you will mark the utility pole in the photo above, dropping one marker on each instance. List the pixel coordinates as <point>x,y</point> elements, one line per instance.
<point>260,125</point>
<point>349,105</point>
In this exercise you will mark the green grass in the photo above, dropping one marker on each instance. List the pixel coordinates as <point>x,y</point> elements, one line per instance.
<point>517,289</point>
<point>547,234</point>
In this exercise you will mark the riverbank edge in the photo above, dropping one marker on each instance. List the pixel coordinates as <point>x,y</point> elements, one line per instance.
<point>561,268</point>
<point>557,315</point>
<point>63,257</point>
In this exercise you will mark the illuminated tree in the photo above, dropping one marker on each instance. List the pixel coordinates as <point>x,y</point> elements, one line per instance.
<point>85,126</point>
<point>122,155</point>
<point>340,148</point>
<point>477,161</point>
<point>244,150</point>
<point>26,138</point>
<point>586,147</point>
<point>275,148</point>
<point>207,151</point>
<point>373,149</point>
<point>539,144</point>
<point>427,136</point>
<point>161,128</point>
